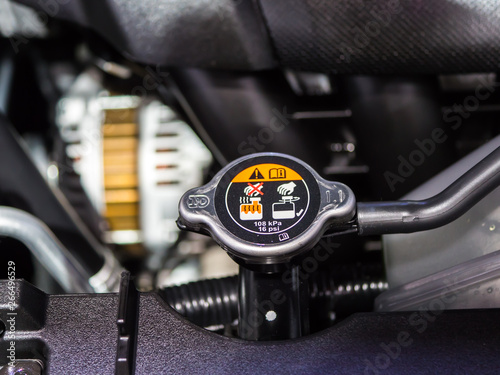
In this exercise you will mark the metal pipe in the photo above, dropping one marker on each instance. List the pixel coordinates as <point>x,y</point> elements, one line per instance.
<point>6,73</point>
<point>375,218</point>
<point>46,248</point>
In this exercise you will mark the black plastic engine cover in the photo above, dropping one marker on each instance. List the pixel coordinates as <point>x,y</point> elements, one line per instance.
<point>222,34</point>
<point>337,36</point>
<point>387,36</point>
<point>78,334</point>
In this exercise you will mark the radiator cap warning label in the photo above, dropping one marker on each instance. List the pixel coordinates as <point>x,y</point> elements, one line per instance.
<point>267,172</point>
<point>268,200</point>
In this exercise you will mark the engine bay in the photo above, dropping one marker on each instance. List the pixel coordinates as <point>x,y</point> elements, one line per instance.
<point>249,187</point>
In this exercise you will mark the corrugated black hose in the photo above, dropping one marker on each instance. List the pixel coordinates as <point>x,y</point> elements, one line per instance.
<point>205,302</point>
<point>215,301</point>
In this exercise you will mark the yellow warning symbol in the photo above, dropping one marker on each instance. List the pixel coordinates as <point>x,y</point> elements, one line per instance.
<point>267,172</point>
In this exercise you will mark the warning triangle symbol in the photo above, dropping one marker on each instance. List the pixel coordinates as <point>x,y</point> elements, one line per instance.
<point>256,175</point>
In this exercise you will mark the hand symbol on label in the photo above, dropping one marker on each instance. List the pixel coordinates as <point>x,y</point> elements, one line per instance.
<point>286,189</point>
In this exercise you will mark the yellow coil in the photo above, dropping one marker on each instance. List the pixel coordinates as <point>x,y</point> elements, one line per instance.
<point>121,189</point>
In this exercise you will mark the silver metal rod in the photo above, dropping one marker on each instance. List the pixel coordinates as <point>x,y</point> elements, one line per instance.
<point>46,248</point>
<point>415,216</point>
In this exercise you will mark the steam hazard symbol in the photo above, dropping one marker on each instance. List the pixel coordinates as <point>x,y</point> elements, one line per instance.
<point>250,206</point>
<point>252,210</point>
<point>267,199</point>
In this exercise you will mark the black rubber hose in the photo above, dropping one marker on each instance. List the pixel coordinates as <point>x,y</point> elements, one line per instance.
<point>214,302</point>
<point>205,302</point>
<point>375,218</point>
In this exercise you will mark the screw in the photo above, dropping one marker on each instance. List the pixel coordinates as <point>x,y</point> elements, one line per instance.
<point>23,367</point>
